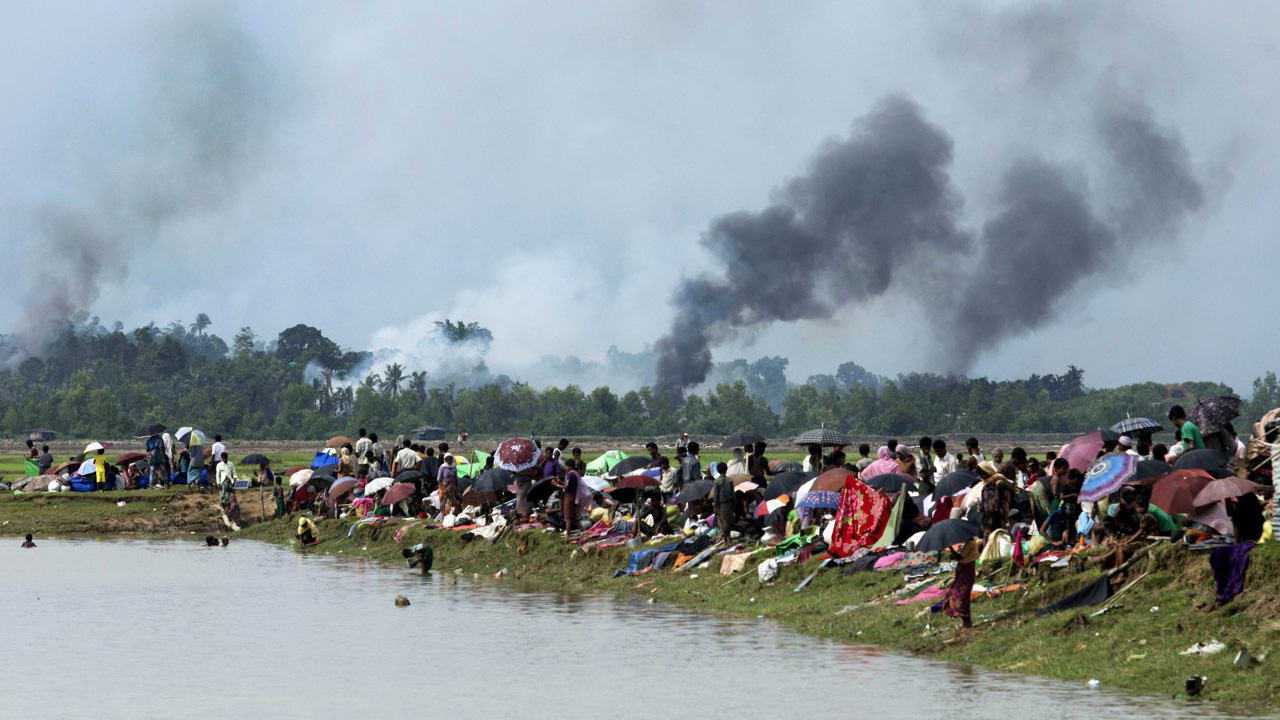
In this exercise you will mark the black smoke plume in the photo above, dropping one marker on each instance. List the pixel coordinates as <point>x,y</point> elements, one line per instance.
<point>833,236</point>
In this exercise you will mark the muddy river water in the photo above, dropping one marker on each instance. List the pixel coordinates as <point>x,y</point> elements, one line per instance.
<point>169,628</point>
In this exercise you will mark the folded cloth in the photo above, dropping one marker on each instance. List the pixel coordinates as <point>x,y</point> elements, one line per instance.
<point>929,594</point>
<point>888,560</point>
<point>733,563</point>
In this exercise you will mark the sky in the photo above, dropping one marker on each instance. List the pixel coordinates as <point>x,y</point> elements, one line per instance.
<point>550,170</point>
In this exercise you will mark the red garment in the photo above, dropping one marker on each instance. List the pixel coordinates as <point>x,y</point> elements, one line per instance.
<point>942,509</point>
<point>861,519</point>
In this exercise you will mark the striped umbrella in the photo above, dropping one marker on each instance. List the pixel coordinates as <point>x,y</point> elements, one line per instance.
<point>769,506</point>
<point>824,437</point>
<point>1132,425</point>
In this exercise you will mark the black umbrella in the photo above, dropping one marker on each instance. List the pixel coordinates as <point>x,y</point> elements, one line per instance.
<point>1150,470</point>
<point>954,482</point>
<point>1202,459</point>
<point>149,430</point>
<point>782,466</point>
<point>786,483</point>
<point>1212,415</point>
<point>1128,426</point>
<point>255,459</point>
<point>493,480</point>
<point>541,490</point>
<point>742,439</point>
<point>696,490</point>
<point>413,476</point>
<point>947,533</point>
<point>890,482</point>
<point>628,466</point>
<point>1221,472</point>
<point>1109,435</point>
<point>824,437</point>
<point>321,481</point>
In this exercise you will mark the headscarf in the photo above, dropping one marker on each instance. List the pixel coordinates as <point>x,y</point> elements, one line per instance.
<point>883,465</point>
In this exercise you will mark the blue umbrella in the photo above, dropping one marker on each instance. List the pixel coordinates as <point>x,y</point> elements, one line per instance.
<point>820,499</point>
<point>1107,475</point>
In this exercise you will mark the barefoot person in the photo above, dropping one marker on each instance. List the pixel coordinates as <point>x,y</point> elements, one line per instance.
<point>419,555</point>
<point>956,602</point>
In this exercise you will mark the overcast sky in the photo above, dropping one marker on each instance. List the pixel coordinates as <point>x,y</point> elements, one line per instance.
<point>547,169</point>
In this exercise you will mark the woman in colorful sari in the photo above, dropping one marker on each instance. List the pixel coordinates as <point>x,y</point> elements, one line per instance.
<point>956,602</point>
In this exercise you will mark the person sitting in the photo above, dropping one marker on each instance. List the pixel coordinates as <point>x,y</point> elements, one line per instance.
<point>651,518</point>
<point>602,512</point>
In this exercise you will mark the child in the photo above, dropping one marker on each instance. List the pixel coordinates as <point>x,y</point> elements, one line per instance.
<point>27,543</point>
<point>420,555</point>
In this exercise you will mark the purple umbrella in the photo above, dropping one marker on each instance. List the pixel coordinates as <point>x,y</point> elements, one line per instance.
<point>1212,415</point>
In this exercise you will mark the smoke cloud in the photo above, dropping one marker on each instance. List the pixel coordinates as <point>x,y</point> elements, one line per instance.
<point>834,236</point>
<point>188,145</point>
<point>840,234</point>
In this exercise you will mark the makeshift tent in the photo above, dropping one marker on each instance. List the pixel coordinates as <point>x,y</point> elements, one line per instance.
<point>40,435</point>
<point>427,432</point>
<point>605,462</point>
<point>324,458</point>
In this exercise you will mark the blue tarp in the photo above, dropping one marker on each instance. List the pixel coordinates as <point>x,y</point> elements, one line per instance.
<point>82,484</point>
<point>323,459</point>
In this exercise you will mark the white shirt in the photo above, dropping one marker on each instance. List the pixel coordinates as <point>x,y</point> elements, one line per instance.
<point>407,459</point>
<point>944,466</point>
<point>227,473</point>
<point>217,449</point>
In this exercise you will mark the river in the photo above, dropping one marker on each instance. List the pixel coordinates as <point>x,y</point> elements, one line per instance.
<point>169,628</point>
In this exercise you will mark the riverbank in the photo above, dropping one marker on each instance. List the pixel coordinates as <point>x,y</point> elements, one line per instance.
<point>1131,646</point>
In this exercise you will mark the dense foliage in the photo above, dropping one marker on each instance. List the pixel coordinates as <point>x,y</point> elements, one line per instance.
<point>100,382</point>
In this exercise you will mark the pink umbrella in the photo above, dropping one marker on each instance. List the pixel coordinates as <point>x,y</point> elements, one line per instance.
<point>517,455</point>
<point>341,487</point>
<point>398,492</point>
<point>1081,452</point>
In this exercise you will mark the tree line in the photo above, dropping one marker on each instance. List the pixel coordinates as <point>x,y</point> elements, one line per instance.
<point>93,381</point>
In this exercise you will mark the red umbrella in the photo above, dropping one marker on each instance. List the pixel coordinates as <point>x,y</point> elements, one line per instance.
<point>1224,488</point>
<point>1176,492</point>
<point>398,492</point>
<point>517,454</point>
<point>1081,452</point>
<point>830,481</point>
<point>294,469</point>
<point>341,487</point>
<point>337,441</point>
<point>129,457</point>
<point>635,482</point>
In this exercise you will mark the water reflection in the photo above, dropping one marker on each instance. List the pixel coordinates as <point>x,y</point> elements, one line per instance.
<point>147,628</point>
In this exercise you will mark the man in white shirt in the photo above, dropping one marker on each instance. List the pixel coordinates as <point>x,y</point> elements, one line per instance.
<point>363,445</point>
<point>1126,442</point>
<point>406,459</point>
<point>217,450</point>
<point>944,463</point>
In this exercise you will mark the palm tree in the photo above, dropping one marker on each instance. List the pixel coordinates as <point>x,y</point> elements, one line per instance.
<point>202,322</point>
<point>372,381</point>
<point>392,376</point>
<point>418,386</point>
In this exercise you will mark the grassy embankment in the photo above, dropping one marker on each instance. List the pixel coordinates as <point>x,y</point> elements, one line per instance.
<point>1131,646</point>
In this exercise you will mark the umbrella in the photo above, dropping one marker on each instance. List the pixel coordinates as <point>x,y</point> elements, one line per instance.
<point>1220,473</point>
<point>1108,435</point>
<point>770,506</point>
<point>190,436</point>
<point>337,441</point>
<point>65,466</point>
<point>831,480</point>
<point>1148,471</point>
<point>129,457</point>
<point>398,492</point>
<point>493,480</point>
<point>1212,415</point>
<point>1107,475</point>
<point>696,490</point>
<point>541,490</point>
<point>94,447</point>
<point>955,482</point>
<point>596,483</point>
<point>787,483</point>
<point>412,476</point>
<point>255,459</point>
<point>1202,459</point>
<point>889,482</point>
<point>742,439</point>
<point>320,480</point>
<point>300,477</point>
<point>342,487</point>
<point>635,482</point>
<point>1176,492</point>
<point>820,499</point>
<point>471,496</point>
<point>149,430</point>
<point>824,437</point>
<point>290,471</point>
<point>1081,452</point>
<point>782,466</point>
<point>628,466</point>
<point>947,533</point>
<point>743,485</point>
<point>1128,426</point>
<point>1224,488</point>
<point>87,469</point>
<point>517,454</point>
<point>377,484</point>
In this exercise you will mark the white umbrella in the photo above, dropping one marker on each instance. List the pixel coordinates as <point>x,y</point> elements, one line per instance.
<point>87,468</point>
<point>595,482</point>
<point>378,484</point>
<point>190,436</point>
<point>94,447</point>
<point>300,477</point>
<point>804,490</point>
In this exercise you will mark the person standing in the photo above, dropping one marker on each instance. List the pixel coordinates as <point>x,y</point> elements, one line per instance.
<point>216,451</point>
<point>447,484</point>
<point>944,463</point>
<point>100,469</point>
<point>569,498</point>
<point>722,497</point>
<point>226,478</point>
<point>956,602</point>
<point>738,465</point>
<point>44,460</point>
<point>758,464</point>
<point>682,445</point>
<point>404,460</point>
<point>277,494</point>
<point>159,464</point>
<point>363,446</point>
<point>195,463</point>
<point>924,466</point>
<point>690,468</point>
<point>1187,433</point>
